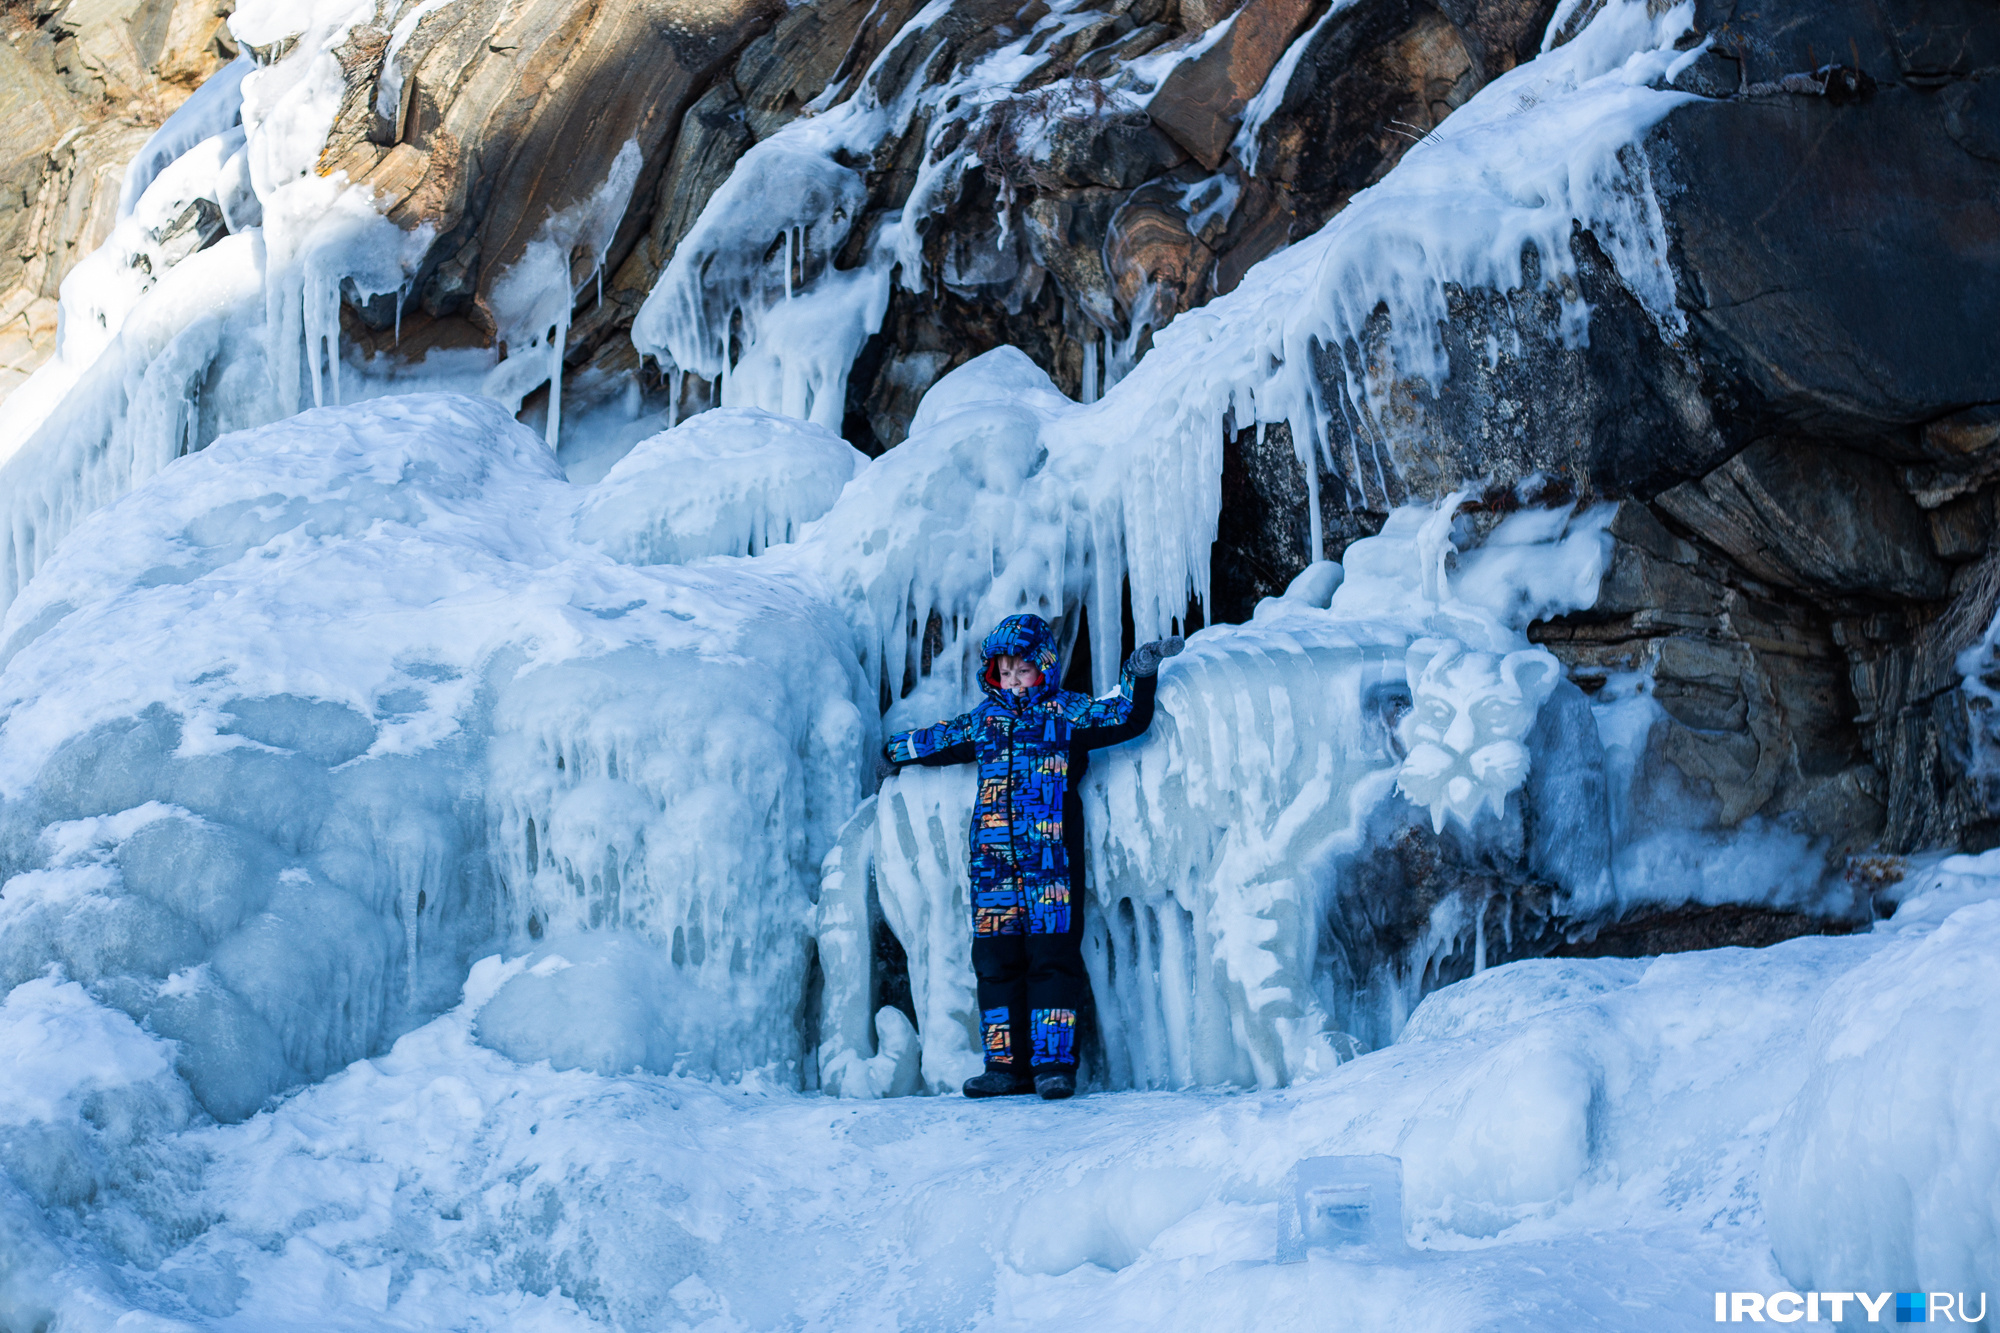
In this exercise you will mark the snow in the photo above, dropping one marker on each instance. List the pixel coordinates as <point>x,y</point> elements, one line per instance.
<point>732,481</point>
<point>1582,1144</point>
<point>1883,1169</point>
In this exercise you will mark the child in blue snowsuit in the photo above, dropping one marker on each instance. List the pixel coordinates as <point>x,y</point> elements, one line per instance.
<point>1032,740</point>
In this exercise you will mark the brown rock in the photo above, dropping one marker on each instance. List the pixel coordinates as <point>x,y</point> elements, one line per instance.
<point>1373,79</point>
<point>1260,226</point>
<point>82,86</point>
<point>1156,267</point>
<point>1969,432</point>
<point>1198,16</point>
<point>713,135</point>
<point>513,112</point>
<point>804,52</point>
<point>1067,229</point>
<point>1813,516</point>
<point>1200,102</point>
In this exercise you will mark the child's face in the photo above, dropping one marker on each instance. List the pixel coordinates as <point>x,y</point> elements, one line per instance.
<point>1016,674</point>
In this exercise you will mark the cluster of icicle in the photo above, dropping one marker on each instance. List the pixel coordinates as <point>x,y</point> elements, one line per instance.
<point>1217,842</point>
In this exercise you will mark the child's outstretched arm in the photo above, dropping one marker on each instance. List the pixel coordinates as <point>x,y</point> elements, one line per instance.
<point>1126,714</point>
<point>945,743</point>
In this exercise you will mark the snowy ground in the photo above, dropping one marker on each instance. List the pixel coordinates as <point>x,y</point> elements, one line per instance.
<point>1586,1144</point>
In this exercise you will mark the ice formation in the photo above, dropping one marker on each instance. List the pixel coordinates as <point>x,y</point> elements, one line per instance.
<point>214,306</point>
<point>291,730</point>
<point>731,481</point>
<point>758,269</point>
<point>1218,841</point>
<point>1469,711</point>
<point>1540,149</point>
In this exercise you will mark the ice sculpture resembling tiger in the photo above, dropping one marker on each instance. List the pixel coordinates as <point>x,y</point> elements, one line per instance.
<point>1462,736</point>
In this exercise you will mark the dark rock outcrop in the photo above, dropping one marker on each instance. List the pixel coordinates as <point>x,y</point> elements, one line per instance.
<point>1806,476</point>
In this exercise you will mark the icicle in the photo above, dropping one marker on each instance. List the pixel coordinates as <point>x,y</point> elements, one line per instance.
<point>558,339</point>
<point>1479,938</point>
<point>788,263</point>
<point>1316,524</point>
<point>1089,369</point>
<point>400,293</point>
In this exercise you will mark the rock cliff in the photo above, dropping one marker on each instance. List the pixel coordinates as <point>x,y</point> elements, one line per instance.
<point>83,84</point>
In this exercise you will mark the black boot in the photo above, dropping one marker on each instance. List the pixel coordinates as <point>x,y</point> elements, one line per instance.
<point>997,1083</point>
<point>1055,1085</point>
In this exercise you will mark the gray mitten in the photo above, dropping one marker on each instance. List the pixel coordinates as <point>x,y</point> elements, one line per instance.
<point>884,770</point>
<point>1146,658</point>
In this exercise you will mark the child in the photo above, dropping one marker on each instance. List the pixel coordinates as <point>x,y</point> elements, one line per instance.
<point>1032,740</point>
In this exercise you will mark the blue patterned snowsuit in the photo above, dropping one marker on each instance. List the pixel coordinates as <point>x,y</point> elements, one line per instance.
<point>1027,838</point>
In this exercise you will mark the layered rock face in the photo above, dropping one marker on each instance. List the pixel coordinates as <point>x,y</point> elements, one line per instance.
<point>1088,223</point>
<point>83,84</point>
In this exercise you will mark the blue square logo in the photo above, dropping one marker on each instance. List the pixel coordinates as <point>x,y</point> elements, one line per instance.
<point>1912,1307</point>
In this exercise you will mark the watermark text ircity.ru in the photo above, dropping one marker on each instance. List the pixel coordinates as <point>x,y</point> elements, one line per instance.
<point>1789,1307</point>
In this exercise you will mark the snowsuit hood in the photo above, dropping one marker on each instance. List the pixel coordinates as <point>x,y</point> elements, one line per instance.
<point>1024,636</point>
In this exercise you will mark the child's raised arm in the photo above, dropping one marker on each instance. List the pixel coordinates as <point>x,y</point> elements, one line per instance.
<point>1126,715</point>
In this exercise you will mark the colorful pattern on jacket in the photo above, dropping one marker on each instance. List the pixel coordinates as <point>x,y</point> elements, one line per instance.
<point>1020,868</point>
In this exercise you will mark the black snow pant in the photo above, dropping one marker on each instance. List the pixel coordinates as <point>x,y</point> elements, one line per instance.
<point>1033,988</point>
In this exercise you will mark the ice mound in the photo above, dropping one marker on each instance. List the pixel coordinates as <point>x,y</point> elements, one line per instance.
<point>1514,993</point>
<point>289,732</point>
<point>796,321</point>
<point>730,481</point>
<point>604,1001</point>
<point>984,511</point>
<point>88,1113</point>
<point>1884,1168</point>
